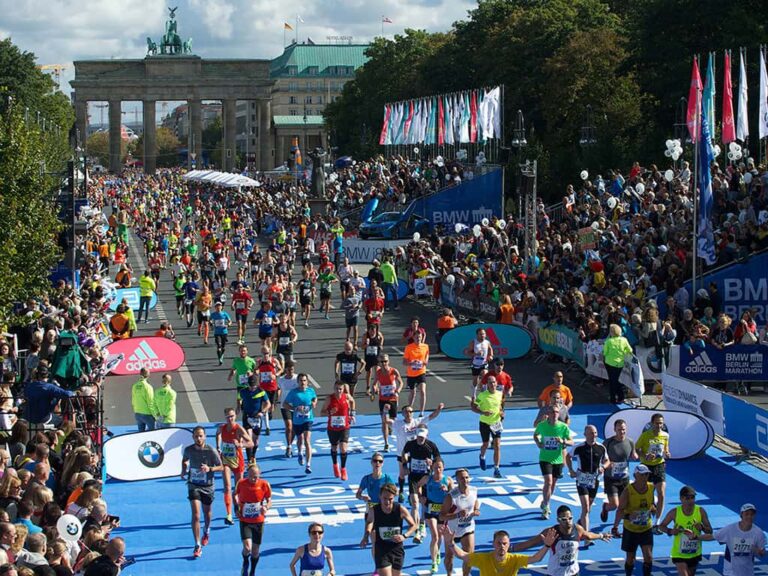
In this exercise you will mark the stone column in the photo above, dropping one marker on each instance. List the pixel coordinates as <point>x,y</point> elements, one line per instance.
<point>229,109</point>
<point>115,136</point>
<point>281,152</point>
<point>195,142</point>
<point>81,120</point>
<point>267,162</point>
<point>150,136</point>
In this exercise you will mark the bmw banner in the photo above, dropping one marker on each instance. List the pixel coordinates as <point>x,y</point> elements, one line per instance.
<point>146,455</point>
<point>737,362</point>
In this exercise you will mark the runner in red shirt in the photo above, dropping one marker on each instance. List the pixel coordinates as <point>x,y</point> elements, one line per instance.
<point>340,409</point>
<point>387,384</point>
<point>269,368</point>
<point>496,369</point>
<point>253,497</point>
<point>241,304</point>
<point>374,309</point>
<point>231,438</point>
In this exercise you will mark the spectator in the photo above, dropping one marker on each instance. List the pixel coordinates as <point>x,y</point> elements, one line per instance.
<point>616,350</point>
<point>722,336</point>
<point>109,563</point>
<point>390,283</point>
<point>165,404</point>
<point>746,331</point>
<point>36,545</point>
<point>143,402</point>
<point>42,398</point>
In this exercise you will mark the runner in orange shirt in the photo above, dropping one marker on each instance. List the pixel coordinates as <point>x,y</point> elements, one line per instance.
<point>231,438</point>
<point>253,497</point>
<point>558,385</point>
<point>415,359</point>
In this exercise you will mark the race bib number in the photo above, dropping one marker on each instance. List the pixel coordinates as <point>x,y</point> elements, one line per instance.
<point>419,466</point>
<point>552,443</point>
<point>205,314</point>
<point>656,449</point>
<point>372,351</point>
<point>417,365</point>
<point>284,340</point>
<point>688,546</point>
<point>220,323</point>
<point>251,510</point>
<point>347,368</point>
<point>266,321</point>
<point>265,377</point>
<point>311,573</point>
<point>497,427</point>
<point>640,518</point>
<point>741,547</point>
<point>567,552</point>
<point>239,305</point>
<point>620,470</point>
<point>197,476</point>
<point>464,521</point>
<point>338,421</point>
<point>435,507</point>
<point>254,421</point>
<point>228,450</point>
<point>478,361</point>
<point>189,302</point>
<point>388,532</point>
<point>302,410</point>
<point>243,378</point>
<point>388,390</point>
<point>585,479</point>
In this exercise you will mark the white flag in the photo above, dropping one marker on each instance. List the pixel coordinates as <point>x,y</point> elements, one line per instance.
<point>763,121</point>
<point>742,125</point>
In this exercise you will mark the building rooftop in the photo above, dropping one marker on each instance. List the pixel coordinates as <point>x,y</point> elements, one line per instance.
<point>318,59</point>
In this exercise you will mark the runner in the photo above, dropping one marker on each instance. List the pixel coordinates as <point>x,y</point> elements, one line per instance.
<point>460,507</point>
<point>592,461</point>
<point>269,368</point>
<point>286,337</point>
<point>306,289</point>
<point>203,302</point>
<point>373,304</point>
<point>351,305</point>
<point>254,404</point>
<point>348,366</point>
<point>287,382</point>
<point>325,278</point>
<point>191,288</point>
<point>253,497</point>
<point>370,485</point>
<point>178,291</point>
<point>620,450</point>
<point>691,526</point>
<point>313,557</point>
<point>265,319</point>
<point>388,384</point>
<point>242,366</point>
<point>418,456</point>
<point>503,380</point>
<point>636,507</point>
<point>302,401</point>
<point>231,438</point>
<point>653,448</point>
<point>221,323</point>
<point>564,551</point>
<point>340,409</point>
<point>373,346</point>
<point>413,328</point>
<point>551,436</point>
<point>481,352</point>
<point>345,270</point>
<point>743,541</point>
<point>198,465</point>
<point>490,405</point>
<point>415,359</point>
<point>555,399</point>
<point>241,304</point>
<point>385,520</point>
<point>434,488</point>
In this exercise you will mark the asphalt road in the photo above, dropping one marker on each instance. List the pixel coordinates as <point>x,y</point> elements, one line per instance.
<point>204,393</point>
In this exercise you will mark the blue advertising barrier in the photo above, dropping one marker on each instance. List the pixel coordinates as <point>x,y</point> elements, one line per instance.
<point>402,289</point>
<point>737,362</point>
<point>746,424</point>
<point>508,340</point>
<point>132,295</point>
<point>468,203</point>
<point>563,342</point>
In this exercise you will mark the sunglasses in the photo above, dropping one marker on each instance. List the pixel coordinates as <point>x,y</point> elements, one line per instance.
<point>689,497</point>
<point>313,532</point>
<point>378,461</point>
<point>564,518</point>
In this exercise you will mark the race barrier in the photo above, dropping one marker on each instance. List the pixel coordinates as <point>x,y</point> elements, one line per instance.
<point>688,396</point>
<point>509,341</point>
<point>153,352</point>
<point>132,296</point>
<point>146,455</point>
<point>563,342</point>
<point>738,362</point>
<point>366,251</point>
<point>689,434</point>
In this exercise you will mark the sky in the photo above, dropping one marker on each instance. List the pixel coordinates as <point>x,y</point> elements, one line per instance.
<point>61,31</point>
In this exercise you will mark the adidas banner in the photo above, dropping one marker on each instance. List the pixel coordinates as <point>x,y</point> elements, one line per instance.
<point>508,340</point>
<point>737,362</point>
<point>146,455</point>
<point>154,353</point>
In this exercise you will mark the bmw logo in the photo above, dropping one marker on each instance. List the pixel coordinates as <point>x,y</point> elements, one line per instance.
<point>151,454</point>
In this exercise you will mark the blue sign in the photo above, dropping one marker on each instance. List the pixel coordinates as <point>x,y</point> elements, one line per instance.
<point>737,362</point>
<point>746,424</point>
<point>508,341</point>
<point>468,203</point>
<point>402,289</point>
<point>132,296</point>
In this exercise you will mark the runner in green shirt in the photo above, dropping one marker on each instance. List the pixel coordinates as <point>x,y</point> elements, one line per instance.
<point>325,279</point>
<point>243,366</point>
<point>490,405</point>
<point>551,436</point>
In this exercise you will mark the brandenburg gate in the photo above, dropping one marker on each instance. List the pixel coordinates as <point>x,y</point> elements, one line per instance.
<point>173,73</point>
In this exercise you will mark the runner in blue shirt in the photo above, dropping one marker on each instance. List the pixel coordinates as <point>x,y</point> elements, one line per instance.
<point>265,319</point>
<point>302,401</point>
<point>221,322</point>
<point>370,485</point>
<point>254,404</point>
<point>191,288</point>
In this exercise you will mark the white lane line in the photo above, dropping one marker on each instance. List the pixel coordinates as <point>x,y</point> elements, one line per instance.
<point>313,381</point>
<point>438,378</point>
<point>186,376</point>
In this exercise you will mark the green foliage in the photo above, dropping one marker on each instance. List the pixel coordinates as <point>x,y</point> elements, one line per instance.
<point>97,146</point>
<point>167,147</point>
<point>213,143</point>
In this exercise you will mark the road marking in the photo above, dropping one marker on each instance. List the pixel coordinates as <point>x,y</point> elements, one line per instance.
<point>313,381</point>
<point>186,376</point>
<point>438,378</point>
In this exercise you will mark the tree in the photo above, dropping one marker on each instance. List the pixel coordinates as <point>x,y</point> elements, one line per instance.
<point>212,143</point>
<point>97,146</point>
<point>167,147</point>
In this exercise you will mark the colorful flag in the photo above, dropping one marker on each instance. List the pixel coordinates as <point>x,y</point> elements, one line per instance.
<point>440,122</point>
<point>386,20</point>
<point>763,121</point>
<point>448,120</point>
<point>693,117</point>
<point>729,129</point>
<point>473,117</point>
<point>742,125</point>
<point>385,126</point>
<point>705,242</point>
<point>407,123</point>
<point>287,26</point>
<point>708,99</point>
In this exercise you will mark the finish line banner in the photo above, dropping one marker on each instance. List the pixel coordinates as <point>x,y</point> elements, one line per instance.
<point>737,362</point>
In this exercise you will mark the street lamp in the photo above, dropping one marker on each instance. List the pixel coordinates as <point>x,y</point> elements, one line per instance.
<point>519,142</point>
<point>588,131</point>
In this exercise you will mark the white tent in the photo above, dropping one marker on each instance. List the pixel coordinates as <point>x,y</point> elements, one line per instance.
<point>224,179</point>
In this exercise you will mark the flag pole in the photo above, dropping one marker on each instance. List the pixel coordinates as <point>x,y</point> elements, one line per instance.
<point>382,26</point>
<point>696,168</point>
<point>297,28</point>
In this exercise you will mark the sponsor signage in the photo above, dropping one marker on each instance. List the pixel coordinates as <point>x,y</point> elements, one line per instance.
<point>587,238</point>
<point>690,435</point>
<point>694,398</point>
<point>366,251</point>
<point>737,362</point>
<point>146,455</point>
<point>509,341</point>
<point>563,342</point>
<point>153,352</point>
<point>632,376</point>
<point>402,289</point>
<point>132,297</point>
<point>746,424</point>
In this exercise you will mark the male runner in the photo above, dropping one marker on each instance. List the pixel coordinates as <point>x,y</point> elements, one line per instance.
<point>592,461</point>
<point>551,436</point>
<point>340,409</point>
<point>620,450</point>
<point>302,401</point>
<point>221,323</point>
<point>348,366</point>
<point>415,359</point>
<point>253,497</point>
<point>460,507</point>
<point>653,448</point>
<point>254,404</point>
<point>489,403</point>
<point>417,456</point>
<point>231,438</point>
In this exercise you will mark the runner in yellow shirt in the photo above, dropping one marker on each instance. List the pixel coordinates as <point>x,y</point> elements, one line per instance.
<point>653,448</point>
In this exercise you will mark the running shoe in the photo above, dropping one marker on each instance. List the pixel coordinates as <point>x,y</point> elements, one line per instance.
<point>221,361</point>
<point>306,324</point>
<point>482,463</point>
<point>439,557</point>
<point>326,317</point>
<point>386,447</point>
<point>604,514</point>
<point>267,432</point>
<point>205,539</point>
<point>496,472</point>
<point>344,474</point>
<point>435,565</point>
<point>198,552</point>
<point>545,512</point>
<point>301,459</point>
<point>336,471</point>
<point>307,470</point>
<point>401,497</point>
<point>228,520</point>
<point>417,537</point>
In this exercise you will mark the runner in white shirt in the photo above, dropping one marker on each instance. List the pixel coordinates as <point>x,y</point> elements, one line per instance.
<point>743,541</point>
<point>481,352</point>
<point>287,382</point>
<point>460,507</point>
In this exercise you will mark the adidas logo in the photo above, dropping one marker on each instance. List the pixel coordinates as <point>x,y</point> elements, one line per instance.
<point>701,365</point>
<point>144,357</point>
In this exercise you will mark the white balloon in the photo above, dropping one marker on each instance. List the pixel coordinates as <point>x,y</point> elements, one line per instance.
<point>502,224</point>
<point>584,174</point>
<point>678,149</point>
<point>415,150</point>
<point>669,175</point>
<point>595,226</point>
<point>677,142</point>
<point>675,155</point>
<point>640,188</point>
<point>416,236</point>
<point>668,153</point>
<point>458,228</point>
<point>733,145</point>
<point>731,155</point>
<point>476,230</point>
<point>737,155</point>
<point>447,177</point>
<point>450,279</point>
<point>716,150</point>
<point>612,203</point>
<point>69,528</point>
<point>670,143</point>
<point>748,177</point>
<point>346,222</point>
<point>484,221</point>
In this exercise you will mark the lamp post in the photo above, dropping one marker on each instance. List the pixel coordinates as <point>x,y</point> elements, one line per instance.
<point>518,143</point>
<point>588,131</point>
